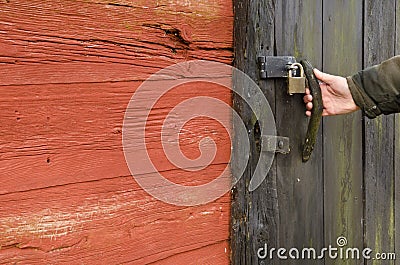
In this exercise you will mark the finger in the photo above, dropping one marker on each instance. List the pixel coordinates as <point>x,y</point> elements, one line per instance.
<point>309,106</point>
<point>327,78</point>
<point>307,98</point>
<point>308,92</point>
<point>308,113</point>
<point>323,86</point>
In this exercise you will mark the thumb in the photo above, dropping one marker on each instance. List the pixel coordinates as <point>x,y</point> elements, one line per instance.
<point>326,78</point>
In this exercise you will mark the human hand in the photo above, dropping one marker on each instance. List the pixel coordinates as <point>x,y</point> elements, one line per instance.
<point>336,96</point>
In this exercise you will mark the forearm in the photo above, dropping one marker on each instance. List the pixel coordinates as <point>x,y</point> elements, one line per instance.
<point>376,90</point>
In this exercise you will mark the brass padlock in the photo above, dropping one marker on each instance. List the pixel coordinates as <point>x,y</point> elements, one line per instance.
<point>296,84</point>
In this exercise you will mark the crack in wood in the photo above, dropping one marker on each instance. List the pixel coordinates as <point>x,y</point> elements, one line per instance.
<point>120,5</point>
<point>173,32</point>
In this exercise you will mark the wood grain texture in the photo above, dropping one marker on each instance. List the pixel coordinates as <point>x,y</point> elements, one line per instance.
<point>67,72</point>
<point>239,229</point>
<point>343,175</point>
<point>254,214</point>
<point>89,41</point>
<point>357,194</point>
<point>78,134</point>
<point>300,185</point>
<point>397,183</point>
<point>112,220</point>
<point>379,182</point>
<point>397,149</point>
<point>239,213</point>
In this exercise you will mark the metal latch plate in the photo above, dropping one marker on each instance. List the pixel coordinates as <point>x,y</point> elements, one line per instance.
<point>277,144</point>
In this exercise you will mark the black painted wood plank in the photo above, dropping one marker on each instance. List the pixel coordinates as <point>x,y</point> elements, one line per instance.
<point>379,42</point>
<point>343,177</point>
<point>300,185</point>
<point>313,204</point>
<point>397,150</point>
<point>254,214</point>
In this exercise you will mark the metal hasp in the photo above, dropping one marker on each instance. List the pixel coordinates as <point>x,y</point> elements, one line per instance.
<point>275,66</point>
<point>283,67</point>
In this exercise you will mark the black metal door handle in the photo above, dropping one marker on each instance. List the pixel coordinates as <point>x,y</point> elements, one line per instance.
<point>316,114</point>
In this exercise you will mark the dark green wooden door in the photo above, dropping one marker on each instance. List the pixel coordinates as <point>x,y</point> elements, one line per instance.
<point>350,188</point>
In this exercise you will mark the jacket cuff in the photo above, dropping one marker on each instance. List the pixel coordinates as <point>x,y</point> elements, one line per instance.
<point>362,100</point>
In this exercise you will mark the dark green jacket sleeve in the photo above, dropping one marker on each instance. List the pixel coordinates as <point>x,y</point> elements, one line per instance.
<point>376,90</point>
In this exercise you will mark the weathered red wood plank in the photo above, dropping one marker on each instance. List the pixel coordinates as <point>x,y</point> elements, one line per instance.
<point>112,219</point>
<point>68,70</point>
<point>83,41</point>
<point>210,255</point>
<point>59,134</point>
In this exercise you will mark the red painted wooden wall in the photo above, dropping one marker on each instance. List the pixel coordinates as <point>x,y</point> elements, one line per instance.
<point>67,71</point>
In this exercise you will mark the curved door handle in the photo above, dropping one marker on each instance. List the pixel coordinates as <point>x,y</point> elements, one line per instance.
<point>316,114</point>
